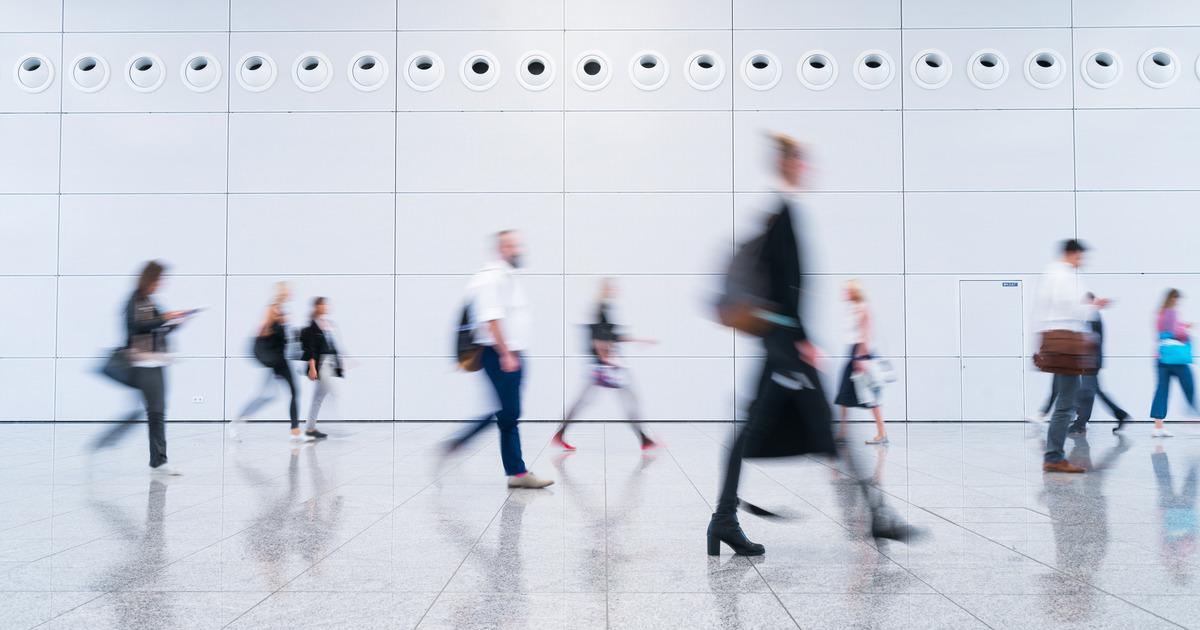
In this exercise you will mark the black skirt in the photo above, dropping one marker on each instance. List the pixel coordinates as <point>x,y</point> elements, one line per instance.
<point>847,396</point>
<point>790,414</point>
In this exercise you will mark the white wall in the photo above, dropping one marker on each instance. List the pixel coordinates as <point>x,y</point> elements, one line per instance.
<point>384,200</point>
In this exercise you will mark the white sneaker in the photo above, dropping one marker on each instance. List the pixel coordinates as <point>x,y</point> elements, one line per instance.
<point>301,437</point>
<point>1162,433</point>
<point>166,470</point>
<point>528,480</point>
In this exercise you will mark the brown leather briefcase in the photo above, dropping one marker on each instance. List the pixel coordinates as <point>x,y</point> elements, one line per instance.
<point>1067,352</point>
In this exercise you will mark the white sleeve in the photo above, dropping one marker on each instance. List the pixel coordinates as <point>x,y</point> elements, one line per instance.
<point>488,305</point>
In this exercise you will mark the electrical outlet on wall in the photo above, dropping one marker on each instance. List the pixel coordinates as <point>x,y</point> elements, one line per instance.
<point>197,400</point>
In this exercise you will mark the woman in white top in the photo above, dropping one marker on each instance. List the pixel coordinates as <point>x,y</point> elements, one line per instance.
<point>859,337</point>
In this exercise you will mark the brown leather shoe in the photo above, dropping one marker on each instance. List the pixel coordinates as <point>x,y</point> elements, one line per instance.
<point>1063,466</point>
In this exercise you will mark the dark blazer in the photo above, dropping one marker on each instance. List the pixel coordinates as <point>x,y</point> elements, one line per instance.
<point>315,344</point>
<point>145,328</point>
<point>782,265</point>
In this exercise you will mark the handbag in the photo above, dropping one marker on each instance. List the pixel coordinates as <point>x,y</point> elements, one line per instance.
<point>865,388</point>
<point>881,372</point>
<point>1172,351</point>
<point>118,367</point>
<point>1067,352</point>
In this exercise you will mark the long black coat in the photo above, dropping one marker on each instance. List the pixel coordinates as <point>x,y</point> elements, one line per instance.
<point>790,414</point>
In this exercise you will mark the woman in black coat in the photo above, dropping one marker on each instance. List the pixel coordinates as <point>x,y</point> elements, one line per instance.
<point>790,414</point>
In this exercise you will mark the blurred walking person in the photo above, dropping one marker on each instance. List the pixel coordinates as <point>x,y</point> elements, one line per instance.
<point>607,370</point>
<point>322,360</point>
<point>856,378</point>
<point>1089,385</point>
<point>142,362</point>
<point>270,349</point>
<point>790,414</point>
<point>1174,361</point>
<point>1067,349</point>
<point>500,315</point>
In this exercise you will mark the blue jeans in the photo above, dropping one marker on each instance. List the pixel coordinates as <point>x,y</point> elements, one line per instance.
<point>1064,413</point>
<point>508,392</point>
<point>1158,410</point>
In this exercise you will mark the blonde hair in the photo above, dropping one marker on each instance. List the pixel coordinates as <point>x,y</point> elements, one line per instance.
<point>855,289</point>
<point>282,292</point>
<point>786,146</point>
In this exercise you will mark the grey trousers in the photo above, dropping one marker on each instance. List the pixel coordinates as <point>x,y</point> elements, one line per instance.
<point>149,380</point>
<point>1064,413</point>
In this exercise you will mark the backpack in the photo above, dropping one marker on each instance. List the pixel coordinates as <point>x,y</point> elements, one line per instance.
<point>469,355</point>
<point>743,304</point>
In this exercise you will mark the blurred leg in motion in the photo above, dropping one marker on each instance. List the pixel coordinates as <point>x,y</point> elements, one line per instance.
<point>724,526</point>
<point>1085,400</point>
<point>634,413</point>
<point>265,395</point>
<point>559,438</point>
<point>1054,459</point>
<point>118,432</point>
<point>284,372</point>
<point>325,387</point>
<point>150,381</point>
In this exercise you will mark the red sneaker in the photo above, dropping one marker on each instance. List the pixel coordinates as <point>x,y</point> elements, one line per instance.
<point>648,444</point>
<point>558,441</point>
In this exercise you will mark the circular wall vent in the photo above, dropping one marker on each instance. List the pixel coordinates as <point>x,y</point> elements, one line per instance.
<point>424,71</point>
<point>536,71</point>
<point>200,72</point>
<point>874,69</point>
<point>479,70</point>
<point>931,69</point>
<point>1101,68</point>
<point>34,73</point>
<point>256,72</point>
<point>89,73</point>
<point>817,70</point>
<point>312,72</point>
<point>648,70</point>
<point>1158,67</point>
<point>760,70</point>
<point>368,71</point>
<point>1045,68</point>
<point>987,69</point>
<point>145,72</point>
<point>592,70</point>
<point>705,70</point>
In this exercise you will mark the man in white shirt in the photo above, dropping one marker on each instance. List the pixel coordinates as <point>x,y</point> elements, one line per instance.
<point>1063,303</point>
<point>500,313</point>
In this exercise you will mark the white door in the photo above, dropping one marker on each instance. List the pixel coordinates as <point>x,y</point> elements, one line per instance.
<point>991,349</point>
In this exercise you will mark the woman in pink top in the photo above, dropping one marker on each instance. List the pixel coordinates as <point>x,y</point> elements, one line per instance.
<point>1168,323</point>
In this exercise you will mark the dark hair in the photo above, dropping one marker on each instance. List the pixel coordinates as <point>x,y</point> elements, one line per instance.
<point>1071,246</point>
<point>317,301</point>
<point>1169,300</point>
<point>1090,296</point>
<point>151,274</point>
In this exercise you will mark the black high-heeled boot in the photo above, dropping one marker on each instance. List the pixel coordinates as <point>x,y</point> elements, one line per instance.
<point>725,529</point>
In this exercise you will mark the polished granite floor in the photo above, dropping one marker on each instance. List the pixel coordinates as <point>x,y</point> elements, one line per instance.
<point>366,530</point>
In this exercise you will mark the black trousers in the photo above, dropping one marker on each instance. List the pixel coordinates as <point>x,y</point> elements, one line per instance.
<point>150,381</point>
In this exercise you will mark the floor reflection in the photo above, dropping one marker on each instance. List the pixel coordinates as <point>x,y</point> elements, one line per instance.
<point>366,531</point>
<point>1176,516</point>
<point>291,529</point>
